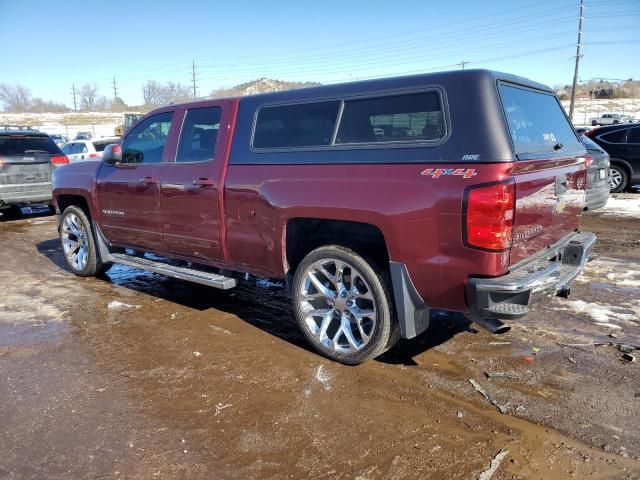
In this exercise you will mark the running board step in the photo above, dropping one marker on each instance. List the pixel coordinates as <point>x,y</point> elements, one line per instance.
<point>190,274</point>
<point>505,311</point>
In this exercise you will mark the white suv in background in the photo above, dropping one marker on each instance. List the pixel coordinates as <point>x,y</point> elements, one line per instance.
<point>79,150</point>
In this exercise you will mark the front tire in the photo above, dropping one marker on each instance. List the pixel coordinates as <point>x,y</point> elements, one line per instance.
<point>343,305</point>
<point>619,179</point>
<point>78,244</point>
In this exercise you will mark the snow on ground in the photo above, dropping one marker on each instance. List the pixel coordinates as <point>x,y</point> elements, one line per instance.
<point>608,274</point>
<point>621,207</point>
<point>585,109</point>
<point>603,315</point>
<point>100,124</point>
<point>618,273</point>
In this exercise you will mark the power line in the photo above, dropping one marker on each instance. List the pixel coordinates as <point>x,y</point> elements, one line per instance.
<point>371,42</point>
<point>368,41</point>
<point>427,42</point>
<point>115,89</point>
<point>575,72</point>
<point>193,78</point>
<point>73,92</point>
<point>386,60</point>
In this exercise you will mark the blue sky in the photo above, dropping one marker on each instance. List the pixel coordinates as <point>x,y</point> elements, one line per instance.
<point>50,45</point>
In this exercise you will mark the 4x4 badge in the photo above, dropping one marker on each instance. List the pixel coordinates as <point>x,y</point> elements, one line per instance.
<point>439,172</point>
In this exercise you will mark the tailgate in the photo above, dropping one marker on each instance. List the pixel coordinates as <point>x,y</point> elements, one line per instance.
<point>549,174</point>
<point>26,170</point>
<point>25,159</point>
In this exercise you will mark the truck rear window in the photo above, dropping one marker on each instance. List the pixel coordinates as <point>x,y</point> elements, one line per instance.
<point>300,125</point>
<point>27,145</point>
<point>537,123</point>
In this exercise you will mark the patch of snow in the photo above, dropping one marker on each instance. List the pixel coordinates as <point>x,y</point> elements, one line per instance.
<point>323,377</point>
<point>620,273</point>
<point>117,304</point>
<point>621,207</point>
<point>604,315</point>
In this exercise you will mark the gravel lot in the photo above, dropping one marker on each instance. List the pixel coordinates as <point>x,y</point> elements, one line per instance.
<point>135,375</point>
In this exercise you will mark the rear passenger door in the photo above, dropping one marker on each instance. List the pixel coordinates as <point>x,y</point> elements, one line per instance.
<point>190,188</point>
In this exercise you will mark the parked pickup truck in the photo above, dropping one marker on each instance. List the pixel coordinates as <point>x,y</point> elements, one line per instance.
<point>609,119</point>
<point>377,201</point>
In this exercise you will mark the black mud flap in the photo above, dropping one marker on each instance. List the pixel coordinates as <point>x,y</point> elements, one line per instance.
<point>413,313</point>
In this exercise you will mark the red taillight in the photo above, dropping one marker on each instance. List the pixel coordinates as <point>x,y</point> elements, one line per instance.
<point>59,160</point>
<point>93,155</point>
<point>592,133</point>
<point>116,148</point>
<point>489,216</point>
<point>2,162</point>
<point>588,161</point>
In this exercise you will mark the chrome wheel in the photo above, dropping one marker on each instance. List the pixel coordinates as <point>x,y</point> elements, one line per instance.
<point>338,306</point>
<point>615,178</point>
<point>75,242</point>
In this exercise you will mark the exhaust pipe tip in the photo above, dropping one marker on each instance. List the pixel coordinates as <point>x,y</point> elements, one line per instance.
<point>493,325</point>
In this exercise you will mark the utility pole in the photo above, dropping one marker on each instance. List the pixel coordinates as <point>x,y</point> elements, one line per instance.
<point>578,55</point>
<point>193,78</point>
<point>115,89</point>
<point>462,64</point>
<point>73,92</point>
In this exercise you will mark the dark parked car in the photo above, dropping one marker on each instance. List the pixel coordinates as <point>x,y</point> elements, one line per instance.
<point>83,136</point>
<point>27,160</point>
<point>59,139</point>
<point>371,226</point>
<point>622,143</point>
<point>597,189</point>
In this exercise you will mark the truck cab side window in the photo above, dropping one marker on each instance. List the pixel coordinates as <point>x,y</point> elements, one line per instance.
<point>199,134</point>
<point>145,143</point>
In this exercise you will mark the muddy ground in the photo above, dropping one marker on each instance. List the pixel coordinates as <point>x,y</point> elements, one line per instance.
<point>135,375</point>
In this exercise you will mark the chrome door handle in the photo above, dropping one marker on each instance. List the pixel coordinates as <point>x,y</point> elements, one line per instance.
<point>203,182</point>
<point>148,181</point>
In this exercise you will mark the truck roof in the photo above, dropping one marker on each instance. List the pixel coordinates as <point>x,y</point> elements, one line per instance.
<point>421,79</point>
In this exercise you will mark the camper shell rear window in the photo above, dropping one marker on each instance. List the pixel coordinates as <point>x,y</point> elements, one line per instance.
<point>537,122</point>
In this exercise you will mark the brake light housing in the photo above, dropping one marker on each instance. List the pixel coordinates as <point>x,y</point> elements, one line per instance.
<point>588,161</point>
<point>60,160</point>
<point>488,216</point>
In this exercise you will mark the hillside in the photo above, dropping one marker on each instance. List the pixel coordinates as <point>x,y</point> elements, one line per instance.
<point>261,85</point>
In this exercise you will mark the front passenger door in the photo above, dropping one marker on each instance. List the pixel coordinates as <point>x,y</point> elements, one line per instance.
<point>128,192</point>
<point>190,189</point>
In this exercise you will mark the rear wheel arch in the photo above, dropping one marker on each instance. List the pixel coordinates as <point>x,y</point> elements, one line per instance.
<point>304,234</point>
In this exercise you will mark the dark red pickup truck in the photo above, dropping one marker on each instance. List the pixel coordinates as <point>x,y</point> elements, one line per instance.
<point>377,201</point>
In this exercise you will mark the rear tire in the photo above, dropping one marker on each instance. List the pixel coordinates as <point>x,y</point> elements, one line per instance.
<point>78,244</point>
<point>619,179</point>
<point>343,305</point>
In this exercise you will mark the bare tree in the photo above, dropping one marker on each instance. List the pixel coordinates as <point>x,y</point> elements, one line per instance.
<point>156,94</point>
<point>38,105</point>
<point>88,97</point>
<point>118,105</point>
<point>151,93</point>
<point>14,98</point>
<point>175,92</point>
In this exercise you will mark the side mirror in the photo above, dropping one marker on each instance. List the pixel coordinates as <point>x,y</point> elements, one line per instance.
<point>112,154</point>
